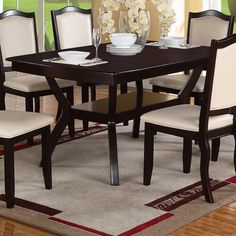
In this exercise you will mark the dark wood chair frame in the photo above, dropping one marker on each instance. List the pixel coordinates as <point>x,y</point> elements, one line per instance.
<point>9,171</point>
<point>198,95</point>
<point>204,135</point>
<point>32,101</point>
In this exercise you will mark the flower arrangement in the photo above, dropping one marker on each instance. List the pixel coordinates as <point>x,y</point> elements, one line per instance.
<point>166,14</point>
<point>138,20</point>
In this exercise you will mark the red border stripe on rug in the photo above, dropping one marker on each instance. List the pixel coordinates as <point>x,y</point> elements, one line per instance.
<point>130,232</point>
<point>22,146</point>
<point>146,225</point>
<point>231,180</point>
<point>79,226</point>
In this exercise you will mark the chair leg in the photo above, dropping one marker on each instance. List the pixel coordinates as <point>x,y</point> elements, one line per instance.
<point>204,168</point>
<point>29,107</point>
<point>215,149</point>
<point>136,126</point>
<point>148,155</point>
<point>93,92</point>
<point>154,89</point>
<point>71,124</point>
<point>187,155</point>
<point>85,98</point>
<point>46,158</point>
<point>198,100</point>
<point>9,174</point>
<point>124,89</point>
<point>36,104</point>
<point>2,99</point>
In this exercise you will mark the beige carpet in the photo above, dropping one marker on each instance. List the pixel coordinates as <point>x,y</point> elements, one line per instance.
<point>90,206</point>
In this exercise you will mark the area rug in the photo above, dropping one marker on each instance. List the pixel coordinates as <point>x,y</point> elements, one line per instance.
<point>82,202</point>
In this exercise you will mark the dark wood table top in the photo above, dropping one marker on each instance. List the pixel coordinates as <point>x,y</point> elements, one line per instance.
<point>151,62</point>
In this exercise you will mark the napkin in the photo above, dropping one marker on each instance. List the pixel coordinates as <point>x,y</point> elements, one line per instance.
<point>85,62</point>
<point>181,46</point>
<point>184,46</point>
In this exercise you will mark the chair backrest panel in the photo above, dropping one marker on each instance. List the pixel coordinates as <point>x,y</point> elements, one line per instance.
<point>73,27</point>
<point>224,82</point>
<point>206,28</point>
<point>17,36</point>
<point>207,25</point>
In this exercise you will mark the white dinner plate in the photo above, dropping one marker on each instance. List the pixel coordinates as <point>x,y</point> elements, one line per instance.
<point>132,50</point>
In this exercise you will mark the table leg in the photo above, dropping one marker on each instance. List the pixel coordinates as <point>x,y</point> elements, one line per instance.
<point>85,98</point>
<point>114,168</point>
<point>64,118</point>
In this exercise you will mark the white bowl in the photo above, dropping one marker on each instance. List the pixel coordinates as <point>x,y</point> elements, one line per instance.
<point>73,56</point>
<point>123,40</point>
<point>174,40</point>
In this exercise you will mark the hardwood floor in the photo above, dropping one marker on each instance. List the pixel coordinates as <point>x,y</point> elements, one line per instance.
<point>217,223</point>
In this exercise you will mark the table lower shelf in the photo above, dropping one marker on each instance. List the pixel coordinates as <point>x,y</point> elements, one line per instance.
<point>127,107</point>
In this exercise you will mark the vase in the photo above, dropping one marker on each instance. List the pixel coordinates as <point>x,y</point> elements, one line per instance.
<point>124,22</point>
<point>143,29</point>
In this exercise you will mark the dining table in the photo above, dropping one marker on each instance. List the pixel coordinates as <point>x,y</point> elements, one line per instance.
<point>119,69</point>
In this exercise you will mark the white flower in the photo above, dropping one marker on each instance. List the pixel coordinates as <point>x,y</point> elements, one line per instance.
<point>138,19</point>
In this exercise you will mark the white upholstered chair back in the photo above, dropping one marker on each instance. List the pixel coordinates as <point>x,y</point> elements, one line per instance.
<point>206,28</point>
<point>74,29</point>
<point>17,37</point>
<point>224,82</point>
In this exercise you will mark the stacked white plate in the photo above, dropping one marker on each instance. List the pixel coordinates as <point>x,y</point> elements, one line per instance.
<point>124,51</point>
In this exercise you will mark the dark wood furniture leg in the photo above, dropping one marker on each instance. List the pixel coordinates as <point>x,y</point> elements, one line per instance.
<point>9,174</point>
<point>36,104</point>
<point>187,155</point>
<point>136,125</point>
<point>85,98</point>
<point>29,107</point>
<point>93,92</point>
<point>204,168</point>
<point>71,124</point>
<point>46,159</point>
<point>215,148</point>
<point>124,89</point>
<point>63,120</point>
<point>148,154</point>
<point>114,169</point>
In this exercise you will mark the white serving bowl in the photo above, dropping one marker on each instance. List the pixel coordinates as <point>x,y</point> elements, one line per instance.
<point>73,56</point>
<point>123,40</point>
<point>174,40</point>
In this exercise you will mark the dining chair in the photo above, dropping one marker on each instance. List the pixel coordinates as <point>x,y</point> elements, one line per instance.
<point>16,126</point>
<point>214,118</point>
<point>72,27</point>
<point>18,36</point>
<point>202,28</point>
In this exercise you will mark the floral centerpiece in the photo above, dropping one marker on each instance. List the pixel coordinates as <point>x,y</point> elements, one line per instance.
<point>138,20</point>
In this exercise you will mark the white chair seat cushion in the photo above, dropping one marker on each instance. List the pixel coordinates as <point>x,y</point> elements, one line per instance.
<point>184,117</point>
<point>177,81</point>
<point>34,83</point>
<point>15,123</point>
